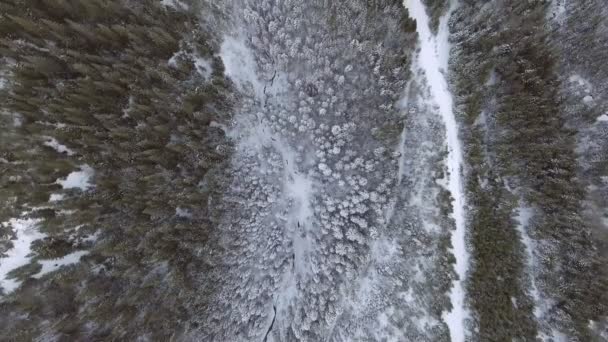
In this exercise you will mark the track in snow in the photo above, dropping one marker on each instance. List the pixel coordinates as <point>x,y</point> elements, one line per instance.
<point>433,60</point>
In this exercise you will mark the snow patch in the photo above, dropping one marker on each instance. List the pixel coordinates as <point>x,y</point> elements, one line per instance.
<point>401,150</point>
<point>172,62</point>
<point>580,81</point>
<point>56,197</point>
<point>240,65</point>
<point>54,144</point>
<point>557,10</point>
<point>127,109</point>
<point>52,265</point>
<point>175,4</point>
<point>183,213</point>
<point>602,118</point>
<point>203,66</point>
<point>26,232</point>
<point>523,217</point>
<point>433,61</point>
<point>588,99</point>
<point>78,179</point>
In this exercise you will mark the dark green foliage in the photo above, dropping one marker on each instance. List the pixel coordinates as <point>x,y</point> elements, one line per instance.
<point>523,151</point>
<point>95,76</point>
<point>436,9</point>
<point>25,271</point>
<point>52,248</point>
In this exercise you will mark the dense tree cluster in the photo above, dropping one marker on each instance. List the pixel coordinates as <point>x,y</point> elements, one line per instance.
<point>128,91</point>
<point>522,153</point>
<point>436,10</point>
<point>321,213</point>
<point>190,237</point>
<point>276,169</point>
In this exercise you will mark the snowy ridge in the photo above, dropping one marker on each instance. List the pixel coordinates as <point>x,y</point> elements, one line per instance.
<point>432,60</point>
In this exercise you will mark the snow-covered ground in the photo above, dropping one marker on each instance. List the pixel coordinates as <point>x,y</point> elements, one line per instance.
<point>20,255</point>
<point>524,214</point>
<point>557,10</point>
<point>49,266</point>
<point>26,230</point>
<point>54,144</point>
<point>331,222</point>
<point>432,62</point>
<point>240,65</point>
<point>80,179</point>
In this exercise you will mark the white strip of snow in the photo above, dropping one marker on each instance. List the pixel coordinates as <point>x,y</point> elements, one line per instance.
<point>541,306</point>
<point>52,265</point>
<point>403,104</point>
<point>78,179</point>
<point>19,255</point>
<point>433,60</point>
<point>523,218</point>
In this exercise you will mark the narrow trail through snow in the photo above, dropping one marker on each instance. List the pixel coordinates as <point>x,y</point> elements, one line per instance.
<point>433,61</point>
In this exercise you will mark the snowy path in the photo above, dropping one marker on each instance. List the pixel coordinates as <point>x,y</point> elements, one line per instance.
<point>433,61</point>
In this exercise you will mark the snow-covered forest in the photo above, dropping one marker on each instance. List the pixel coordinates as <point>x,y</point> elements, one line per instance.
<point>281,170</point>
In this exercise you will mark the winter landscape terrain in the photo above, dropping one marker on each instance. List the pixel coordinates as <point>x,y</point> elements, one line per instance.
<point>282,170</point>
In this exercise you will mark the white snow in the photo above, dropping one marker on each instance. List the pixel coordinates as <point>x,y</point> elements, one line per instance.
<point>433,61</point>
<point>558,336</point>
<point>54,144</point>
<point>19,255</point>
<point>240,65</point>
<point>603,118</point>
<point>581,82</point>
<point>174,4</point>
<point>78,179</point>
<point>403,104</point>
<point>56,197</point>
<point>588,99</point>
<point>52,265</point>
<point>523,218</point>
<point>172,62</point>
<point>203,66</point>
<point>256,138</point>
<point>93,237</point>
<point>184,213</point>
<point>557,10</point>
